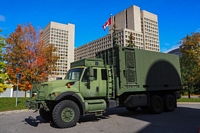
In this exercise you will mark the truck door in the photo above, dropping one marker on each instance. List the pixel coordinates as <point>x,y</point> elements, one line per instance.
<point>103,82</point>
<point>90,88</point>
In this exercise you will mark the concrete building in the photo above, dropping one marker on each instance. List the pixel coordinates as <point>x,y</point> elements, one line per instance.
<point>62,36</point>
<point>143,25</point>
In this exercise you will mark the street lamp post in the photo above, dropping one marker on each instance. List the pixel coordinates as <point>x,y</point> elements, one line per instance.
<point>18,75</point>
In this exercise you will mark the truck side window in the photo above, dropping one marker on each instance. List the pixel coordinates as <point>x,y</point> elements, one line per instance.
<point>104,74</point>
<point>85,78</point>
<point>95,74</point>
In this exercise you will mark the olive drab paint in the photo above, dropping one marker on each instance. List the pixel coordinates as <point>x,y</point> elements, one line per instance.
<point>117,77</point>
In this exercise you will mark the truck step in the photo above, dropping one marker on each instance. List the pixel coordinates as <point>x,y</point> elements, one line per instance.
<point>97,113</point>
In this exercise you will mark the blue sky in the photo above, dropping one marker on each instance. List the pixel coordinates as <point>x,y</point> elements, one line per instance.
<point>176,18</point>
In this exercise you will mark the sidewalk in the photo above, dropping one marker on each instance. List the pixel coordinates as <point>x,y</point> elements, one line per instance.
<point>188,102</point>
<point>196,96</point>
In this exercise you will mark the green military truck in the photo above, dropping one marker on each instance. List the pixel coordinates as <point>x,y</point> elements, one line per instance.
<point>118,77</point>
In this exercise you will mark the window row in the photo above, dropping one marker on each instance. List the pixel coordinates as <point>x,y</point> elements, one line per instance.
<point>60,30</point>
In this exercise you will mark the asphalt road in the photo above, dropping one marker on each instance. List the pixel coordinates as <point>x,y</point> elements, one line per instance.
<point>185,119</point>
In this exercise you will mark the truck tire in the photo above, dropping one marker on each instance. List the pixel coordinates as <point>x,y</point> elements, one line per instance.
<point>132,109</point>
<point>169,103</point>
<point>156,104</point>
<point>66,114</point>
<point>46,115</point>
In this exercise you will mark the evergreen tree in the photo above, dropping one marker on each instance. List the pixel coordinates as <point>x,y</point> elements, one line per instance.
<point>114,35</point>
<point>130,41</point>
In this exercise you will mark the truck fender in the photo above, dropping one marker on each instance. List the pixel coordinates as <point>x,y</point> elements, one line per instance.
<point>75,96</point>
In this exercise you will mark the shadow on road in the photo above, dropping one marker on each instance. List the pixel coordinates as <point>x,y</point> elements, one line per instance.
<point>38,120</point>
<point>182,119</point>
<point>34,121</point>
<point>92,118</point>
<point>109,112</point>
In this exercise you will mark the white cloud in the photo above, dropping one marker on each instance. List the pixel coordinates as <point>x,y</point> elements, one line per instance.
<point>198,30</point>
<point>175,45</point>
<point>2,18</point>
<point>170,49</point>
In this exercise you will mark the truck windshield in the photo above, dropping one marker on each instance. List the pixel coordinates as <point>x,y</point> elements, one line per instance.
<point>74,74</point>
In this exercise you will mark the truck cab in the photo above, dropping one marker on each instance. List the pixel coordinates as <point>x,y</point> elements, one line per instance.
<point>93,77</point>
<point>85,86</point>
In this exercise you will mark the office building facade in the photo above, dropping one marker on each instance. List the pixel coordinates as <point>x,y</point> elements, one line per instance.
<point>62,36</point>
<point>142,24</point>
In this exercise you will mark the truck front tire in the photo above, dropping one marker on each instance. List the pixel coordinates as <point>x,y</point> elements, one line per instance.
<point>66,114</point>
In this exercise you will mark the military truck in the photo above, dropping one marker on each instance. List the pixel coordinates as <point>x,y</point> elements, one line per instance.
<point>117,77</point>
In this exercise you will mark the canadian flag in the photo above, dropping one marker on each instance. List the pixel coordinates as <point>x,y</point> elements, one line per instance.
<point>108,22</point>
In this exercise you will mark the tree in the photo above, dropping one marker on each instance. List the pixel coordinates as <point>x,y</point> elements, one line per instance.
<point>130,41</point>
<point>190,61</point>
<point>27,54</point>
<point>114,35</point>
<point>3,76</point>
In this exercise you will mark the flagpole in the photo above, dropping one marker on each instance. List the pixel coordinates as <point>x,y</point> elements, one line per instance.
<point>109,23</point>
<point>111,30</point>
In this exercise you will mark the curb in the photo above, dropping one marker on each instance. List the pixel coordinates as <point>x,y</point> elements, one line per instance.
<point>14,111</point>
<point>188,102</point>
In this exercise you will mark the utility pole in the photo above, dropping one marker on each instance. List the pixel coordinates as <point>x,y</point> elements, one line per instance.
<point>18,76</point>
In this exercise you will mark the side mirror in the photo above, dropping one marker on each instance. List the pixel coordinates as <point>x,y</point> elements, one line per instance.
<point>91,72</point>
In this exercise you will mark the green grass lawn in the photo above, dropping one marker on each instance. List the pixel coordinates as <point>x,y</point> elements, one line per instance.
<point>189,100</point>
<point>7,104</point>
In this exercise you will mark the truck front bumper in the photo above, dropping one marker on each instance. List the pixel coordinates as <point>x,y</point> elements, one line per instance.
<point>33,104</point>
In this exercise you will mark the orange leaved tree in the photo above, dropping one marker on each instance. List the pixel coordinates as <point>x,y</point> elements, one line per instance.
<point>27,54</point>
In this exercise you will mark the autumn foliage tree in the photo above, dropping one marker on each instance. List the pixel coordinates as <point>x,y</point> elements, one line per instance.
<point>190,61</point>
<point>27,54</point>
<point>3,75</point>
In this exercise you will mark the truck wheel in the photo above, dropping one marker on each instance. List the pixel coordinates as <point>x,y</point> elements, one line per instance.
<point>46,115</point>
<point>132,109</point>
<point>66,114</point>
<point>156,104</point>
<point>169,103</point>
